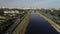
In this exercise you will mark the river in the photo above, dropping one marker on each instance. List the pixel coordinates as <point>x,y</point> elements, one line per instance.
<point>37,25</point>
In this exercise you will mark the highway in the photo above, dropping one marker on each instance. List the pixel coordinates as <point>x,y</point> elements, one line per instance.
<point>9,31</point>
<point>38,25</point>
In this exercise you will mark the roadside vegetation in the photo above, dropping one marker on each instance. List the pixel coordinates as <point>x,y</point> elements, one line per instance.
<point>54,14</point>
<point>8,17</point>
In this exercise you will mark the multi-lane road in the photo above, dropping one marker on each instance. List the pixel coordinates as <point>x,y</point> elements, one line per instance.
<point>36,25</point>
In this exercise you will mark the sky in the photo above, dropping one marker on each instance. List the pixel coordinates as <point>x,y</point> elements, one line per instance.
<point>30,3</point>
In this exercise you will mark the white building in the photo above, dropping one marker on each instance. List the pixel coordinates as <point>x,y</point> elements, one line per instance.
<point>11,11</point>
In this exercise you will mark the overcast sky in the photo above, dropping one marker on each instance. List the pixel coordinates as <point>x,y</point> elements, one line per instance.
<point>30,3</point>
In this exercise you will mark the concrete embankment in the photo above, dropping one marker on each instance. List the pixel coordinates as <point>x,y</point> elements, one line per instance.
<point>53,24</point>
<point>20,29</point>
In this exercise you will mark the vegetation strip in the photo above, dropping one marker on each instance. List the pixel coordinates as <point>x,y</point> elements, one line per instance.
<point>20,26</point>
<point>25,25</point>
<point>56,26</point>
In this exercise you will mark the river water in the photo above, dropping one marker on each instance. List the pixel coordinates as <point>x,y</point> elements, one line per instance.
<point>37,25</point>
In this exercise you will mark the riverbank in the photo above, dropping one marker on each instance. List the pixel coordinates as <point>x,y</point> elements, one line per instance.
<point>53,24</point>
<point>26,22</point>
<point>22,26</point>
